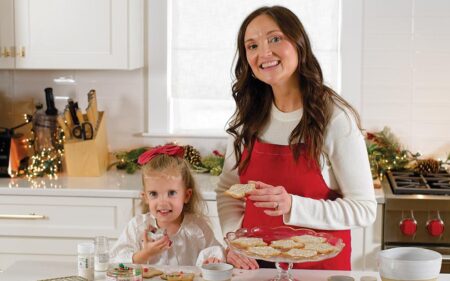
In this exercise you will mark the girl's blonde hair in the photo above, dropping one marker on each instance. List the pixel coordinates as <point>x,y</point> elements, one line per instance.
<point>162,163</point>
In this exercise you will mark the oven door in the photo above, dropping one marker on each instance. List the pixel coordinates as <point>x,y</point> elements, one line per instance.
<point>444,251</point>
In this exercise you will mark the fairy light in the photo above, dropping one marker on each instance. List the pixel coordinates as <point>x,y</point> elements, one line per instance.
<point>48,161</point>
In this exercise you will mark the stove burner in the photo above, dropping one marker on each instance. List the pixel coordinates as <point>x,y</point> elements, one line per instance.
<point>416,183</point>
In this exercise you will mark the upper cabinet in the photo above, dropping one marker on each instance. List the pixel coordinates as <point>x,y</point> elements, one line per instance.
<point>6,33</point>
<point>67,34</point>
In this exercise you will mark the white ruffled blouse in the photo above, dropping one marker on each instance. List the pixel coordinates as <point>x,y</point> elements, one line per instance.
<point>191,245</point>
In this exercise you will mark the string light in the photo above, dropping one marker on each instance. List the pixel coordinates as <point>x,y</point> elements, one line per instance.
<point>48,161</point>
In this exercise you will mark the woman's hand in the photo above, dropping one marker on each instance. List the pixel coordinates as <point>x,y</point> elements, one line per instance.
<point>240,261</point>
<point>274,198</point>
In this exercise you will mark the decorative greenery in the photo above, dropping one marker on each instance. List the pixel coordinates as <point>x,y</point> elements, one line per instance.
<point>210,164</point>
<point>128,160</point>
<point>214,163</point>
<point>386,153</point>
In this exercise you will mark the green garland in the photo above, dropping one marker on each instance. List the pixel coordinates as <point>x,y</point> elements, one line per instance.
<point>127,160</point>
<point>386,153</point>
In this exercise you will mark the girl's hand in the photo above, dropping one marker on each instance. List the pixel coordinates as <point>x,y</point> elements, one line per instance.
<point>274,198</point>
<point>151,248</point>
<point>240,261</point>
<point>212,260</point>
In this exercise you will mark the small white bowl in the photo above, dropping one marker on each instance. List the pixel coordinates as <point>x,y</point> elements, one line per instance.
<point>217,271</point>
<point>409,263</point>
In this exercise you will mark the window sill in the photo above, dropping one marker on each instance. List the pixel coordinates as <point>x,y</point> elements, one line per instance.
<point>185,135</point>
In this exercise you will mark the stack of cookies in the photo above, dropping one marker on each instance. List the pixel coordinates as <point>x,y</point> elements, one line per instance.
<point>299,247</point>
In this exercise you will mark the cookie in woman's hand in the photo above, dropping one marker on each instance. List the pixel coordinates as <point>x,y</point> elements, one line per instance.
<point>239,191</point>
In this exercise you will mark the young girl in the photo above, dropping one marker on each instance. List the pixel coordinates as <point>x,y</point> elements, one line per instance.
<point>170,203</point>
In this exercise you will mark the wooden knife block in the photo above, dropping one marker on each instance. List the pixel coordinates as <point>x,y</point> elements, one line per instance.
<point>87,158</point>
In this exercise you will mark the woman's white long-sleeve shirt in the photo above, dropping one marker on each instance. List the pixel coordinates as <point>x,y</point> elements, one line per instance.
<point>344,167</point>
<point>191,245</point>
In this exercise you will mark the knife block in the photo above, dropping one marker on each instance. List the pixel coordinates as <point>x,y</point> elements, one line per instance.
<point>87,158</point>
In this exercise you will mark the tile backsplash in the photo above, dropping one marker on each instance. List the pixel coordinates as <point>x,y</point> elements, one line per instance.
<point>406,53</point>
<point>119,93</point>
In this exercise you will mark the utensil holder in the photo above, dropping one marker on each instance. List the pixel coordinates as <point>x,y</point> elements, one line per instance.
<point>87,158</point>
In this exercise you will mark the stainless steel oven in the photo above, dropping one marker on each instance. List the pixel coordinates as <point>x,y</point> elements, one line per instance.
<point>417,212</point>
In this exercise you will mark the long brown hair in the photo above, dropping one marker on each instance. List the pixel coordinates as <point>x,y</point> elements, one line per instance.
<point>254,98</point>
<point>162,163</point>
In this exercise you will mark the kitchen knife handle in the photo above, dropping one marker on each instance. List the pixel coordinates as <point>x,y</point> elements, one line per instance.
<point>68,118</point>
<point>63,126</point>
<point>80,116</point>
<point>73,113</point>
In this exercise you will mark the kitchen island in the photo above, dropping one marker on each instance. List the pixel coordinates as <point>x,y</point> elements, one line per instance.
<point>37,270</point>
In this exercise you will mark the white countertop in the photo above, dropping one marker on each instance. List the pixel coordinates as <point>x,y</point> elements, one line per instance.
<point>37,270</point>
<point>114,183</point>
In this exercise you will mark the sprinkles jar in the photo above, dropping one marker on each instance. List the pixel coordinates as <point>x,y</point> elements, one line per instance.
<point>121,272</point>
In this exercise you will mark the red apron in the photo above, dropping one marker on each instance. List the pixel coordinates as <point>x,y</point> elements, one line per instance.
<point>275,165</point>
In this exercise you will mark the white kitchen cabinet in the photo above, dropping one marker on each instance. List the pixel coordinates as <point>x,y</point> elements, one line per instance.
<point>82,34</point>
<point>57,224</point>
<point>6,34</point>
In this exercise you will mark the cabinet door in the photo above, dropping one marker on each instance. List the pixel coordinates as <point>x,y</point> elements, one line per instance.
<point>6,34</point>
<point>54,216</point>
<point>81,34</point>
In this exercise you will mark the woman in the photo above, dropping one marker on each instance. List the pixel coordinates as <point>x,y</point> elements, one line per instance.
<point>296,138</point>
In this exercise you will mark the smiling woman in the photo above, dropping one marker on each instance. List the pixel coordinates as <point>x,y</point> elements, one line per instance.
<point>191,52</point>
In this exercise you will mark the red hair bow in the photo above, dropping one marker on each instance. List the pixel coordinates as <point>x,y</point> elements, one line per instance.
<point>169,149</point>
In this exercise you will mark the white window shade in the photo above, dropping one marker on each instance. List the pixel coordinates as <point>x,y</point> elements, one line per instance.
<point>201,45</point>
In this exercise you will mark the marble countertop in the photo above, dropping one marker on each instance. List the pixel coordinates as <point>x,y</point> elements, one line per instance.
<point>114,183</point>
<point>38,270</point>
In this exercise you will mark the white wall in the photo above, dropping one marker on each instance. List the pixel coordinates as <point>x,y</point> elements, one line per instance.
<point>119,93</point>
<point>405,70</point>
<point>405,74</point>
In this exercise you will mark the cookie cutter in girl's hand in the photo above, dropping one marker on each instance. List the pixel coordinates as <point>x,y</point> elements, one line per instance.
<point>156,233</point>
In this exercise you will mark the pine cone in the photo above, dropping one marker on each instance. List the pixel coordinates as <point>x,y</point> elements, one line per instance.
<point>427,166</point>
<point>192,155</point>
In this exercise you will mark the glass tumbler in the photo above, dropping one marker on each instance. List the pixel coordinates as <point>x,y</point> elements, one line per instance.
<point>101,255</point>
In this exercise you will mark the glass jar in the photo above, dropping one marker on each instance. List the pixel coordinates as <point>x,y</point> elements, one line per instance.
<point>44,128</point>
<point>86,260</point>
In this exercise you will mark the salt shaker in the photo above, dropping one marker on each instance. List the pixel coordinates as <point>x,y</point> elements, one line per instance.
<point>86,260</point>
<point>101,257</point>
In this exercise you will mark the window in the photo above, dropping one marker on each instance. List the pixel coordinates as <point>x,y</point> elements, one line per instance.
<point>191,47</point>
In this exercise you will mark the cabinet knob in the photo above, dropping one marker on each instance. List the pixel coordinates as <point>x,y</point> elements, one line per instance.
<point>435,227</point>
<point>20,52</point>
<point>5,52</point>
<point>408,226</point>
